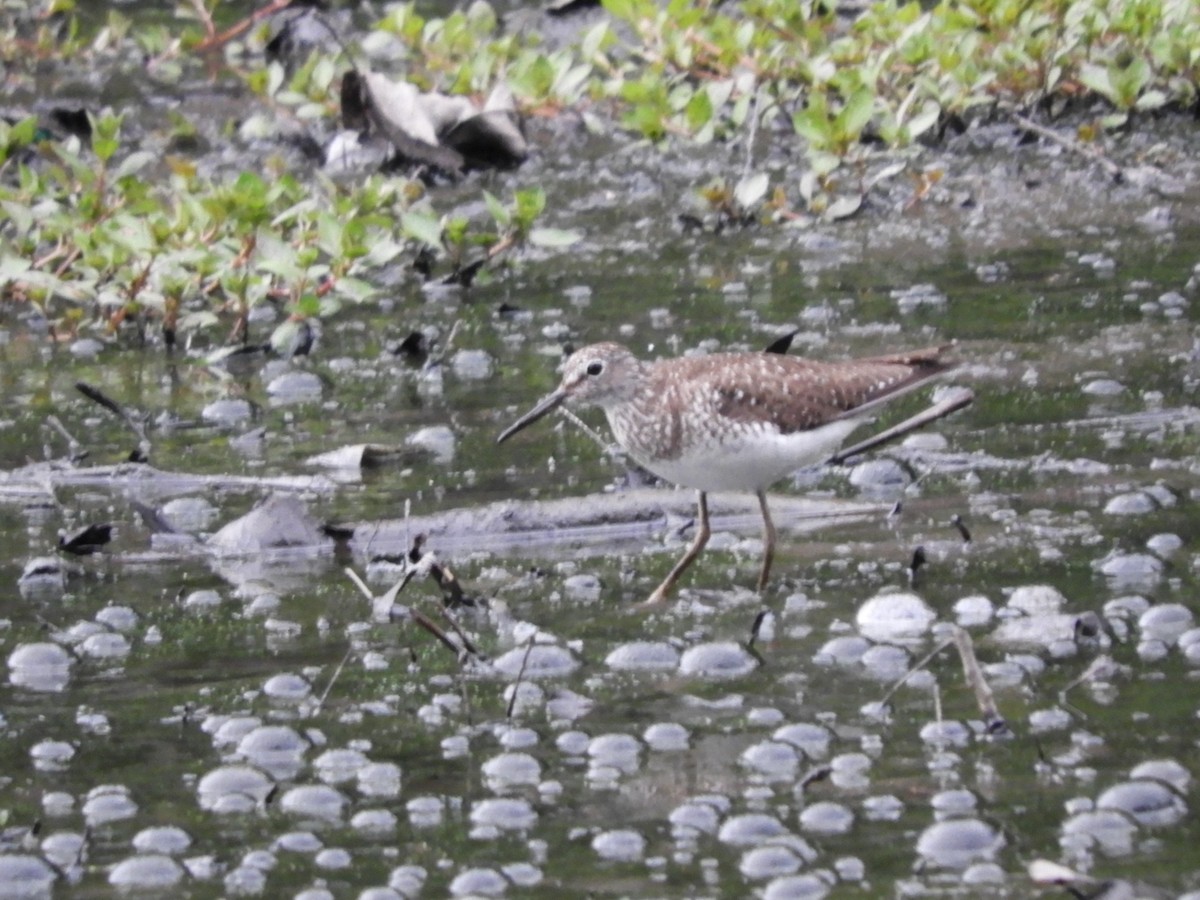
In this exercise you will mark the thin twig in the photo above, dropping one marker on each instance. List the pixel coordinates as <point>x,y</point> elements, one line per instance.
<point>336,673</point>
<point>214,40</point>
<point>1091,153</point>
<point>512,701</point>
<point>916,667</point>
<point>74,448</point>
<point>467,643</point>
<point>978,684</point>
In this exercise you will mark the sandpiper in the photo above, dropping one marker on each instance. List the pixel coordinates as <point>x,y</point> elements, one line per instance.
<point>735,421</point>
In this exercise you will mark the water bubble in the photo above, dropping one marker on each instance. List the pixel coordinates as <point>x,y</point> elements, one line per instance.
<point>376,823</point>
<point>953,804</point>
<point>846,650</point>
<point>956,843</point>
<point>946,733</point>
<point>620,751</point>
<point>539,661</point>
<point>227,731</point>
<point>1165,770</point>
<point>504,814</point>
<point>813,739</point>
<point>287,688</point>
<point>146,871</point>
<point>164,839</point>
<point>796,887</point>
<point>886,663</point>
<point>1137,571</point>
<point>695,816</point>
<point>523,874</point>
<point>26,877</point>
<point>509,771</point>
<point>883,808</point>
<point>583,588</point>
<point>425,812</point>
<point>894,616</point>
<point>1106,830</point>
<point>773,760</point>
<point>108,803</point>
<point>40,667</point>
<point>439,441</point>
<point>51,756</point>
<point>643,656</point>
<point>64,849</point>
<point>1165,622</point>
<point>1134,503</point>
<point>1036,600</point>
<point>118,618</point>
<point>665,737</point>
<point>721,659</point>
<point>973,611</point>
<point>379,779</point>
<point>339,765</point>
<point>826,817</point>
<point>619,845</point>
<point>769,861</point>
<point>105,645</point>
<point>42,578</point>
<point>750,829</point>
<point>276,749</point>
<point>478,882</point>
<point>1042,721</point>
<point>333,858</point>
<point>1148,802</point>
<point>407,880</point>
<point>233,789</point>
<point>245,882</point>
<point>303,842</point>
<point>314,801</point>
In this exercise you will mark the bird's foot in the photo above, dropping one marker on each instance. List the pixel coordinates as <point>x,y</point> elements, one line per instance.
<point>658,598</point>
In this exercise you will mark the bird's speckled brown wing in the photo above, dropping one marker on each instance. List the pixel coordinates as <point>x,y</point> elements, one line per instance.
<point>797,394</point>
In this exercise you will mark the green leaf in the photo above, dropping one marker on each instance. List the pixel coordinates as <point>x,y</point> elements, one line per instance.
<point>856,113</point>
<point>135,162</point>
<point>422,226</point>
<point>699,110</point>
<point>500,214</point>
<point>814,126</point>
<point>22,133</point>
<point>594,40</point>
<point>1095,78</point>
<point>554,237</point>
<point>1153,99</point>
<point>843,207</point>
<point>529,203</point>
<point>620,9</point>
<point>19,215</point>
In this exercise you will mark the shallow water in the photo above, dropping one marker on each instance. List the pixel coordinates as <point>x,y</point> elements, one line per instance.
<point>291,741</point>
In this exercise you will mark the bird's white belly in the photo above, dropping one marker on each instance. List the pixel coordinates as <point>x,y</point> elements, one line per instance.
<point>753,460</point>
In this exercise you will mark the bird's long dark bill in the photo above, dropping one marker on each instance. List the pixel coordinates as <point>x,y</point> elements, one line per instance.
<point>547,405</point>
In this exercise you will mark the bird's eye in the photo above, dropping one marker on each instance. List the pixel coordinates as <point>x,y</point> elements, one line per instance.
<point>595,368</point>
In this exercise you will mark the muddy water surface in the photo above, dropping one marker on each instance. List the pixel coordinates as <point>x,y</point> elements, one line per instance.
<point>252,725</point>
